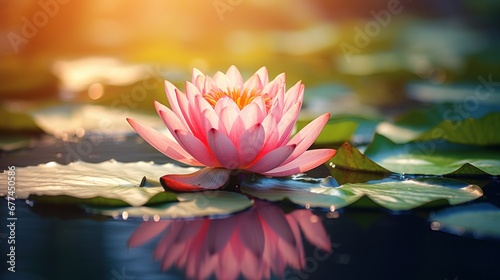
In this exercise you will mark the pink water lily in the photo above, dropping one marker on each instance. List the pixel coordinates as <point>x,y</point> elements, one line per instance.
<point>225,124</point>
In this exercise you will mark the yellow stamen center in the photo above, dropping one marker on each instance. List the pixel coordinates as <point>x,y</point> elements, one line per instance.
<point>240,97</point>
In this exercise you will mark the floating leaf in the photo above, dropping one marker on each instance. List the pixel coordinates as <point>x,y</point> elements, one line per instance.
<point>474,95</point>
<point>108,183</point>
<point>349,157</point>
<point>190,205</point>
<point>11,143</point>
<point>345,128</point>
<point>436,157</point>
<point>419,126</point>
<point>335,131</point>
<point>479,220</point>
<point>390,193</point>
<point>483,131</point>
<point>14,120</point>
<point>90,119</point>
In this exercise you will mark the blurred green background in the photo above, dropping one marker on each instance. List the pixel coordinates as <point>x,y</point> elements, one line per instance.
<point>355,57</point>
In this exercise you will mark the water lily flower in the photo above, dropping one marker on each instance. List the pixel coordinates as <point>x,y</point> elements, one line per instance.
<point>253,244</point>
<point>227,125</point>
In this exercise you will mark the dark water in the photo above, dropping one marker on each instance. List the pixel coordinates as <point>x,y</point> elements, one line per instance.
<point>66,243</point>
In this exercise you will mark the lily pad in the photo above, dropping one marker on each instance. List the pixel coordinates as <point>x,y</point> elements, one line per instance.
<point>420,126</point>
<point>190,205</point>
<point>483,131</point>
<point>70,120</point>
<point>389,193</point>
<point>349,157</point>
<point>108,183</point>
<point>434,157</point>
<point>479,220</point>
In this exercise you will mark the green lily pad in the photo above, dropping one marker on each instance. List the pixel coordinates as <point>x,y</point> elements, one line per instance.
<point>349,157</point>
<point>108,183</point>
<point>14,120</point>
<point>479,220</point>
<point>483,131</point>
<point>435,157</point>
<point>420,126</point>
<point>392,194</point>
<point>70,120</point>
<point>12,143</point>
<point>190,205</point>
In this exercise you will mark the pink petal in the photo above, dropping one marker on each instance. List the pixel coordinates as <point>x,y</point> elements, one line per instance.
<point>278,101</point>
<point>305,162</point>
<point>250,144</point>
<point>172,122</point>
<point>173,119</point>
<point>206,178</point>
<point>191,88</point>
<point>263,75</point>
<point>196,75</point>
<point>259,102</point>
<point>306,136</point>
<point>163,144</point>
<point>273,87</point>
<point>209,85</point>
<point>183,104</point>
<point>211,120</point>
<point>294,95</point>
<point>254,82</point>
<point>251,115</point>
<point>234,75</point>
<point>223,149</point>
<point>270,124</point>
<point>196,148</point>
<point>287,123</point>
<point>170,92</point>
<point>147,231</point>
<point>225,102</point>
<point>232,122</point>
<point>237,129</point>
<point>272,159</point>
<point>222,81</point>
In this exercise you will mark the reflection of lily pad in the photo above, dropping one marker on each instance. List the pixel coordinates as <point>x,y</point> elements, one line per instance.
<point>200,204</point>
<point>433,157</point>
<point>478,220</point>
<point>108,183</point>
<point>391,194</point>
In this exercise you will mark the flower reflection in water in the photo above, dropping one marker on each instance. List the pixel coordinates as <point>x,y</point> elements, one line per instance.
<point>254,243</point>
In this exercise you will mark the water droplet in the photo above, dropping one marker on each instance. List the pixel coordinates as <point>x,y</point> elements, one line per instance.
<point>29,202</point>
<point>435,226</point>
<point>124,215</point>
<point>332,208</point>
<point>308,206</point>
<point>313,219</point>
<point>156,217</point>
<point>332,165</point>
<point>253,178</point>
<point>145,217</point>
